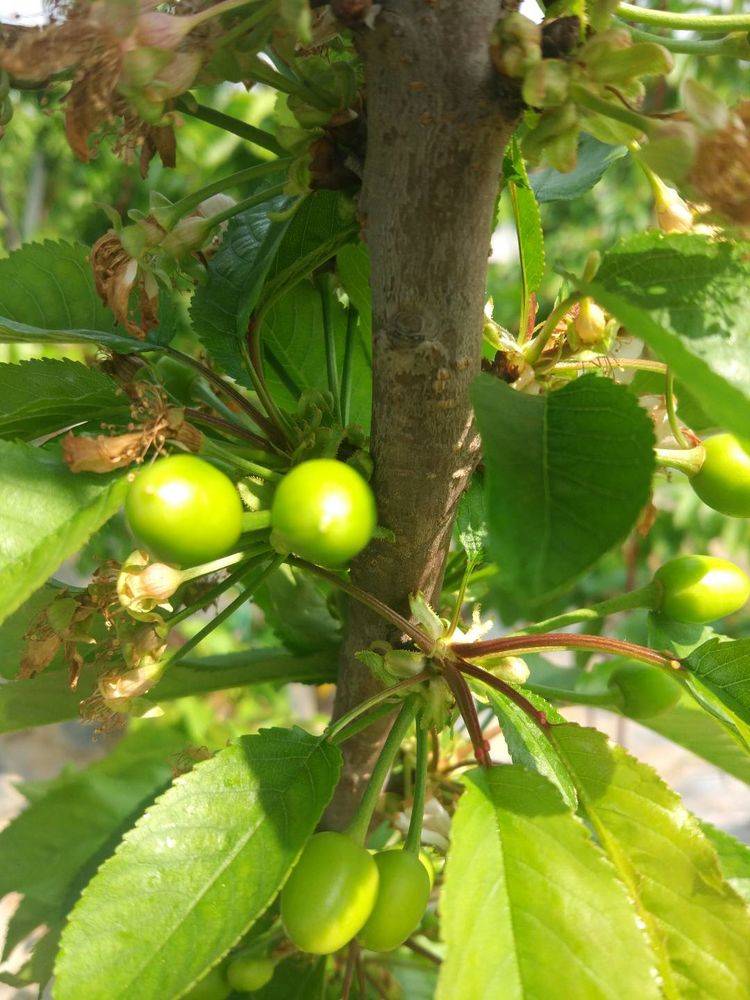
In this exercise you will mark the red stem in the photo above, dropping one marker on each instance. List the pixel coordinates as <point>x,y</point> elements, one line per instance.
<point>563,640</point>
<point>465,701</point>
<point>539,717</point>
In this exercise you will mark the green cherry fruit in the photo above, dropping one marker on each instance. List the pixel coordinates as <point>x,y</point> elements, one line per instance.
<point>403,892</point>
<point>247,973</point>
<point>330,893</point>
<point>213,986</point>
<point>184,510</point>
<point>323,511</point>
<point>700,589</point>
<point>646,691</point>
<point>723,481</point>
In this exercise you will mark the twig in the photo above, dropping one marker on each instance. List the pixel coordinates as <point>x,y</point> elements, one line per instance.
<point>419,949</point>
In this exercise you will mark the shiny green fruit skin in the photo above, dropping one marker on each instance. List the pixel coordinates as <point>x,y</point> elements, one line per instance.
<point>402,899</point>
<point>212,987</point>
<point>323,511</point>
<point>700,589</point>
<point>184,510</point>
<point>646,691</point>
<point>723,481</point>
<point>330,894</point>
<point>246,974</point>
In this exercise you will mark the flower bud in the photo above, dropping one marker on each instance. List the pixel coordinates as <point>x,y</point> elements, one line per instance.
<point>547,83</point>
<point>672,214</point>
<point>641,59</point>
<point>131,684</point>
<point>591,322</point>
<point>516,45</point>
<point>159,30</point>
<point>143,585</point>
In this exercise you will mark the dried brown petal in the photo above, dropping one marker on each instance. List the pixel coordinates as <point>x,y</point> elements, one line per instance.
<point>102,453</point>
<point>40,651</point>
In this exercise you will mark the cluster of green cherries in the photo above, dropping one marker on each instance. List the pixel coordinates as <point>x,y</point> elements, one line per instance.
<point>188,512</point>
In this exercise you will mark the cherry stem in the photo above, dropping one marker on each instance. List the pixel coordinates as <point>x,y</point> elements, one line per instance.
<point>232,429</point>
<point>169,216</point>
<point>189,106</point>
<point>372,602</point>
<point>687,460</point>
<point>216,591</point>
<point>671,403</point>
<point>250,579</point>
<point>360,824</point>
<point>644,597</point>
<point>465,701</point>
<point>694,22</point>
<point>244,404</point>
<point>533,349</point>
<point>414,833</point>
<point>375,700</point>
<point>480,674</point>
<point>521,644</point>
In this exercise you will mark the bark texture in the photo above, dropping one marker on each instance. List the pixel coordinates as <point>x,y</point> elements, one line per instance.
<point>436,128</point>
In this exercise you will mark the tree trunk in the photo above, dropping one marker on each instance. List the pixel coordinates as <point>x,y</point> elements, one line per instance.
<point>436,130</point>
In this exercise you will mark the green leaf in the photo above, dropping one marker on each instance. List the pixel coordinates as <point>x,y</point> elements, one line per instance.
<point>678,638</point>
<point>528,745</point>
<point>527,219</point>
<point>49,852</point>
<point>293,341</point>
<point>197,870</point>
<point>298,612</point>
<point>14,628</point>
<point>47,514</point>
<point>323,223</point>
<point>46,394</point>
<point>567,475</point>
<point>688,297</point>
<point>353,266</point>
<point>221,308</point>
<point>531,909</point>
<point>47,296</point>
<point>471,521</point>
<point>296,978</point>
<point>734,859</point>
<point>697,926</point>
<point>594,158</point>
<point>688,725</point>
<point>723,667</point>
<point>47,698</point>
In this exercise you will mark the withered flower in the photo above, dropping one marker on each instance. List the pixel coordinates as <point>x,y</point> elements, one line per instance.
<point>117,275</point>
<point>143,586</point>
<point>721,170</point>
<point>102,453</point>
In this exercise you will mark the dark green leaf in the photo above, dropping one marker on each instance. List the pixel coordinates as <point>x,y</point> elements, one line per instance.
<point>688,297</point>
<point>294,345</point>
<point>531,909</point>
<point>46,394</point>
<point>295,978</point>
<point>47,698</point>
<point>353,266</point>
<point>723,667</point>
<point>47,514</point>
<point>471,521</point>
<point>221,307</point>
<point>567,475</point>
<point>697,926</point>
<point>594,158</point>
<point>298,612</point>
<point>47,295</point>
<point>197,870</point>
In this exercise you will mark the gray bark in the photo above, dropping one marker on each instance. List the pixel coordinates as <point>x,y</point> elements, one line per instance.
<point>437,127</point>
